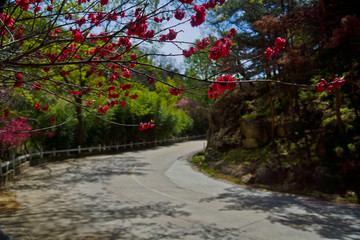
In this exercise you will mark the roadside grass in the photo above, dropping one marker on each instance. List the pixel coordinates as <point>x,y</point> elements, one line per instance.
<point>349,197</point>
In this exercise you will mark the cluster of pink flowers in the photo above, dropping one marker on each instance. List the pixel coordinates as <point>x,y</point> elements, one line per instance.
<point>144,126</point>
<point>138,27</point>
<point>199,18</point>
<point>323,84</point>
<point>15,132</point>
<point>223,83</point>
<point>75,93</point>
<point>220,49</point>
<point>279,44</point>
<point>170,36</point>
<point>38,106</point>
<point>201,45</point>
<point>52,120</point>
<point>151,79</point>
<point>110,52</point>
<point>188,53</point>
<point>179,15</point>
<point>6,113</point>
<point>19,80</point>
<point>102,109</point>
<point>176,91</point>
<point>125,87</point>
<point>78,37</point>
<point>54,34</point>
<point>37,86</point>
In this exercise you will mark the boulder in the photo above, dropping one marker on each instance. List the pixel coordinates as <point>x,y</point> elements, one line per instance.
<point>263,175</point>
<point>248,178</point>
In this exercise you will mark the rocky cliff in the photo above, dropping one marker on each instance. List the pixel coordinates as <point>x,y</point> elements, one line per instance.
<point>247,141</point>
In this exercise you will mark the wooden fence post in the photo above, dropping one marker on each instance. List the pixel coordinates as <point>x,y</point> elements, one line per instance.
<point>79,149</point>
<point>0,171</point>
<point>13,160</point>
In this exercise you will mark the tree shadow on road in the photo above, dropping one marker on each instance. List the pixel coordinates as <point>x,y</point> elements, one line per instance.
<point>73,172</point>
<point>329,220</point>
<point>69,222</point>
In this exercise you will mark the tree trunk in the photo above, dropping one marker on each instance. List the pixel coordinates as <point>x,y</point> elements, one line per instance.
<point>79,127</point>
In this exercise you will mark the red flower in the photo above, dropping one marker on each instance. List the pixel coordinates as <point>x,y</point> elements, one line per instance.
<point>151,79</point>
<point>37,9</point>
<point>103,110</point>
<point>144,126</point>
<point>19,80</point>
<point>268,53</point>
<point>24,4</point>
<point>280,43</point>
<point>78,37</point>
<point>186,1</point>
<point>112,88</point>
<point>179,15</point>
<point>321,86</point>
<point>223,83</point>
<point>126,73</point>
<point>123,104</point>
<point>188,53</point>
<point>47,69</point>
<point>69,16</point>
<point>221,49</point>
<point>172,34</point>
<point>137,11</point>
<point>52,120</point>
<point>199,18</point>
<point>37,106</point>
<point>80,22</point>
<point>50,8</point>
<point>19,77</point>
<point>37,86</point>
<point>176,91</point>
<point>6,112</point>
<point>125,87</point>
<point>45,108</point>
<point>337,83</point>
<point>89,103</point>
<point>76,93</point>
<point>135,96</point>
<point>64,73</point>
<point>104,2</point>
<point>232,33</point>
<point>201,45</point>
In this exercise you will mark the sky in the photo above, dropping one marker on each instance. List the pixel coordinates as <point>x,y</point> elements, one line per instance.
<point>187,33</point>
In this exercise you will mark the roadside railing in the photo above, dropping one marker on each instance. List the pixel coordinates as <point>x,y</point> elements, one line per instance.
<point>7,166</point>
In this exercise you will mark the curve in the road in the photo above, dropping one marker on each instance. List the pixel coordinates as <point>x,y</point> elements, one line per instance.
<point>155,194</point>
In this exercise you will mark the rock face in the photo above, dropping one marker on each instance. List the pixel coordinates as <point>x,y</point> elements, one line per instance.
<point>244,142</point>
<point>230,126</point>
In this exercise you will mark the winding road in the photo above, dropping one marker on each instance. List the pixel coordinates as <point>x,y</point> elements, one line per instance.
<point>156,194</point>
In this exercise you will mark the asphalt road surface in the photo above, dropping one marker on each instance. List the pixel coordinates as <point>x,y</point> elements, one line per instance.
<point>156,194</point>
